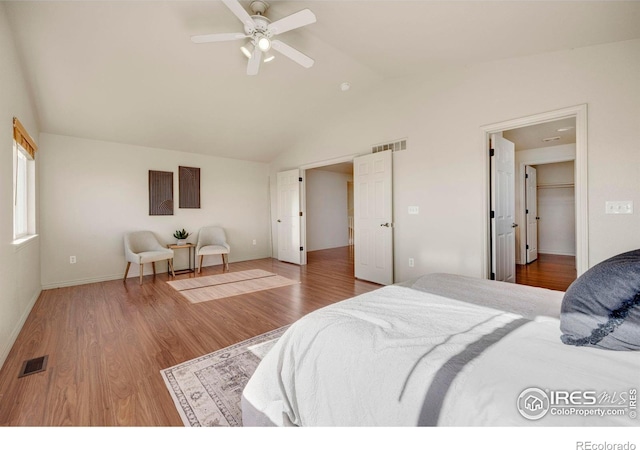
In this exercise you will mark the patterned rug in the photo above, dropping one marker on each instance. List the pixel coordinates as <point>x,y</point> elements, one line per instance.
<point>207,390</point>
<point>213,287</point>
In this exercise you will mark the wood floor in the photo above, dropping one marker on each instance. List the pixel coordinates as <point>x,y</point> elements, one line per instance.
<point>548,271</point>
<point>107,342</point>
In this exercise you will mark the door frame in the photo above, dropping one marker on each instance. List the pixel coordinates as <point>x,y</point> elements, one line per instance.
<point>581,187</point>
<point>525,212</point>
<point>303,195</point>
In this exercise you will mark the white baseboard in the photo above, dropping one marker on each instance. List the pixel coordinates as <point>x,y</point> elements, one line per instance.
<point>133,273</point>
<point>553,252</point>
<point>18,328</point>
<point>81,281</point>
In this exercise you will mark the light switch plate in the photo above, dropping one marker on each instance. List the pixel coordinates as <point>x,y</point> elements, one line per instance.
<point>619,207</point>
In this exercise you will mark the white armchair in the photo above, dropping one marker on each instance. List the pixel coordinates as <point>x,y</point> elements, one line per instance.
<point>212,241</point>
<point>143,247</point>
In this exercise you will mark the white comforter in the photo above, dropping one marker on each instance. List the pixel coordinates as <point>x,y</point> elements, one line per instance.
<point>399,356</point>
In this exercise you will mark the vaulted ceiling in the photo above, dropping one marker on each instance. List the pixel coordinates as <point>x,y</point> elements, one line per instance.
<point>127,71</point>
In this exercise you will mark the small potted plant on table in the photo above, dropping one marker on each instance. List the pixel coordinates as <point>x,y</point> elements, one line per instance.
<point>181,236</point>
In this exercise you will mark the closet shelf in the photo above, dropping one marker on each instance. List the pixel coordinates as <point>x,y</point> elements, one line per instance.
<point>556,185</point>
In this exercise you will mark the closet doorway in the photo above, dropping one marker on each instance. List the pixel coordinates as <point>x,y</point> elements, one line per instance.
<point>551,147</point>
<point>548,233</point>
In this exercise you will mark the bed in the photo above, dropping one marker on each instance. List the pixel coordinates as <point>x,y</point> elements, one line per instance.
<point>445,350</point>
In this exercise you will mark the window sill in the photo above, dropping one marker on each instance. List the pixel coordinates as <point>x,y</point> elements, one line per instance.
<point>23,241</point>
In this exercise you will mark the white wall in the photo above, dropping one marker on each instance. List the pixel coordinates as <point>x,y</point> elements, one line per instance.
<point>92,192</point>
<point>556,209</point>
<point>19,264</point>
<point>443,169</point>
<point>326,205</point>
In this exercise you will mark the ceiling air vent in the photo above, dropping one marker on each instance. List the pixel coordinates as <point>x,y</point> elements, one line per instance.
<point>394,146</point>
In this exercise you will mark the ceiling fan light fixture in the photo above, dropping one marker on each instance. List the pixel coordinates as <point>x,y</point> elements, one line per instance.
<point>264,43</point>
<point>246,51</point>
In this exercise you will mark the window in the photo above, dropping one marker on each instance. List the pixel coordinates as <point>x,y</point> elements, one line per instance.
<point>23,182</point>
<point>20,204</point>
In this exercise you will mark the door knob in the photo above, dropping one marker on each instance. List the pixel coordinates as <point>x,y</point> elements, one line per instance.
<point>279,220</point>
<point>385,224</point>
<point>513,225</point>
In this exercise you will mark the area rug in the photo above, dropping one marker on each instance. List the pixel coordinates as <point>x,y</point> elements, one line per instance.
<point>213,287</point>
<point>207,390</point>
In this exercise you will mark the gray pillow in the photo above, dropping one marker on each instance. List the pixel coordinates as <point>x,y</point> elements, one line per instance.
<point>602,307</point>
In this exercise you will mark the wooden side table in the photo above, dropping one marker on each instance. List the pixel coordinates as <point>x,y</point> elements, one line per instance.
<point>192,257</point>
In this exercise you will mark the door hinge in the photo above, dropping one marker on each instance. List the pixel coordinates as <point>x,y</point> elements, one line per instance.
<point>492,152</point>
<point>527,246</point>
<point>493,276</point>
<point>301,248</point>
<point>526,175</point>
<point>527,211</point>
<point>300,213</point>
<point>300,179</point>
<point>492,214</point>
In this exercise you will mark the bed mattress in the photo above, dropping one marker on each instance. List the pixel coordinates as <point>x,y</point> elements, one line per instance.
<point>442,350</point>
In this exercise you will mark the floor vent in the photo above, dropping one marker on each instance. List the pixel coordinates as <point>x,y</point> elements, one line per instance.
<point>34,365</point>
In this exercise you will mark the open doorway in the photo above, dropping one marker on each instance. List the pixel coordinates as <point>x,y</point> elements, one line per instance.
<point>313,210</point>
<point>371,235</point>
<point>371,230</point>
<point>540,155</point>
<point>328,199</point>
<point>545,238</point>
<point>328,210</point>
<point>328,220</point>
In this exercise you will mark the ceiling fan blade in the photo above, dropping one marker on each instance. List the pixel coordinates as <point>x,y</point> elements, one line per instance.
<point>292,53</point>
<point>254,62</point>
<point>295,20</point>
<point>237,9</point>
<point>204,38</point>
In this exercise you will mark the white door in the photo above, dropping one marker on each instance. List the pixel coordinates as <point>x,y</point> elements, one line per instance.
<point>531,210</point>
<point>288,221</point>
<point>503,206</point>
<point>373,217</point>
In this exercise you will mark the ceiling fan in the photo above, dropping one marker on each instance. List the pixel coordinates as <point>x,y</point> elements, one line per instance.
<point>261,31</point>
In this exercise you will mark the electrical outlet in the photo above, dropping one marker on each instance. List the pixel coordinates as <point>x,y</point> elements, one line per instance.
<point>72,259</point>
<point>411,262</point>
<point>254,242</point>
<point>414,210</point>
